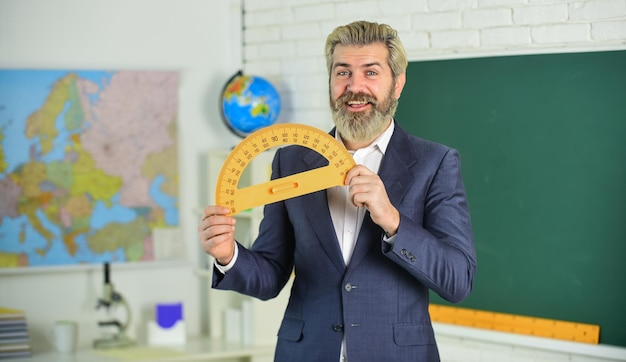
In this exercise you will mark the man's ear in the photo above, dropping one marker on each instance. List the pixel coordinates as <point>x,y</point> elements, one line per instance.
<point>400,81</point>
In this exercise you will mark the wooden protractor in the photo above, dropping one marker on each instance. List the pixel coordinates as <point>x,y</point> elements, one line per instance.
<point>237,199</point>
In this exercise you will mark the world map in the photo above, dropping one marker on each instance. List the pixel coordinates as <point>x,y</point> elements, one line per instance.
<point>88,165</point>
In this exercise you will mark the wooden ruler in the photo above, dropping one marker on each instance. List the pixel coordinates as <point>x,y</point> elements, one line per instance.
<point>237,199</point>
<point>539,327</point>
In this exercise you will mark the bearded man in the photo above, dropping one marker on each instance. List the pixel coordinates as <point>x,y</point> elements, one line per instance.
<point>366,254</point>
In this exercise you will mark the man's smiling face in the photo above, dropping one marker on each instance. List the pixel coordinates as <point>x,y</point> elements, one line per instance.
<point>363,93</point>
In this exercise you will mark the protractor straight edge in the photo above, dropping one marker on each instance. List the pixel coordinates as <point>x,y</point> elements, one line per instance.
<point>237,199</point>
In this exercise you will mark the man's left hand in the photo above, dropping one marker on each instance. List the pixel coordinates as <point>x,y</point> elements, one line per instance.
<point>367,190</point>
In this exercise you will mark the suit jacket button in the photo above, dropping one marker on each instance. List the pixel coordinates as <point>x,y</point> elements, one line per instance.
<point>348,287</point>
<point>338,327</point>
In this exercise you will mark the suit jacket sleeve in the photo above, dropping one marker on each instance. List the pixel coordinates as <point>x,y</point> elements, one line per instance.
<point>434,242</point>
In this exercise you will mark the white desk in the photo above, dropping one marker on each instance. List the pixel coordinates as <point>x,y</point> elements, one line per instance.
<point>202,349</point>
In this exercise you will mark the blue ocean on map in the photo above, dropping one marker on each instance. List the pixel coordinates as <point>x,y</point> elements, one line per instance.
<point>21,92</point>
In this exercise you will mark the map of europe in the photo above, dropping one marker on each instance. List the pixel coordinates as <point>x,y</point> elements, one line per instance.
<point>88,165</point>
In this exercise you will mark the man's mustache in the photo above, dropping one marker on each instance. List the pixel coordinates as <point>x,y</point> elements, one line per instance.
<point>355,97</point>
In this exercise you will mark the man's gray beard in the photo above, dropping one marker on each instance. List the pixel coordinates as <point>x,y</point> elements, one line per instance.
<point>362,126</point>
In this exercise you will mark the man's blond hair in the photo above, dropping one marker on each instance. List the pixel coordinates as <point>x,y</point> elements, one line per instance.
<point>361,33</point>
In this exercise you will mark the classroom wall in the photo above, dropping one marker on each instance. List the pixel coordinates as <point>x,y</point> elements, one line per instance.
<point>283,41</point>
<point>198,38</point>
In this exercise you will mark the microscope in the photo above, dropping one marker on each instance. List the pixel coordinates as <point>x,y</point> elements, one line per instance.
<point>114,331</point>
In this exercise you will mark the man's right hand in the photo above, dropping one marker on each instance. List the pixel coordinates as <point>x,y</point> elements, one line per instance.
<point>216,232</point>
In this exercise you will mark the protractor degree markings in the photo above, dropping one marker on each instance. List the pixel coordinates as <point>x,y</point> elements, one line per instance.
<point>237,199</point>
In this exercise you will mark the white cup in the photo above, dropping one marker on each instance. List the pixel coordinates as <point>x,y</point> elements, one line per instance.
<point>65,336</point>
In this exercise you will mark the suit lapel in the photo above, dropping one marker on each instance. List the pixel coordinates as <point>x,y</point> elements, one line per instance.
<point>318,214</point>
<point>394,171</point>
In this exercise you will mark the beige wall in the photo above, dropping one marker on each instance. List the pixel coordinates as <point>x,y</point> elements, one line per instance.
<point>197,38</point>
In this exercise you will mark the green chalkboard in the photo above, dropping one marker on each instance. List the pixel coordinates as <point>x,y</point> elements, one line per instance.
<point>543,148</point>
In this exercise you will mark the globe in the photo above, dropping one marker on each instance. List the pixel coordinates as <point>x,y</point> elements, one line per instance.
<point>249,103</point>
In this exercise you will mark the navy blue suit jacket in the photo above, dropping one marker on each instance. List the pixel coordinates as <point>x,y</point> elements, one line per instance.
<point>380,300</point>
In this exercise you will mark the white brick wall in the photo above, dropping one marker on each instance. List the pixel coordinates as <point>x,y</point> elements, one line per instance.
<point>284,42</point>
<point>597,10</point>
<point>609,30</point>
<point>487,18</point>
<point>538,15</point>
